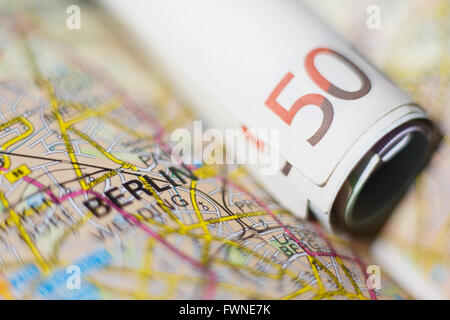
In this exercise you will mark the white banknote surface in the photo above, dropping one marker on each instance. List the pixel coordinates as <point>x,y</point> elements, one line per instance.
<point>412,47</point>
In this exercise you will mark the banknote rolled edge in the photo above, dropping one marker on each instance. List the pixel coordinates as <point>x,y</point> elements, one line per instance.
<point>349,141</point>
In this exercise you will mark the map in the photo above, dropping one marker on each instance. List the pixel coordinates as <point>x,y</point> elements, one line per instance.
<point>88,187</point>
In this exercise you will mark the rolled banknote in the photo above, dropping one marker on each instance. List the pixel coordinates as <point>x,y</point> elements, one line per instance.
<point>414,246</point>
<point>348,142</point>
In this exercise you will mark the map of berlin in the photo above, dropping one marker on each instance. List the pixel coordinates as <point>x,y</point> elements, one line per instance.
<point>87,181</point>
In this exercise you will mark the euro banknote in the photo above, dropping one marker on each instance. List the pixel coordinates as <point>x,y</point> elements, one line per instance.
<point>411,46</point>
<point>93,206</point>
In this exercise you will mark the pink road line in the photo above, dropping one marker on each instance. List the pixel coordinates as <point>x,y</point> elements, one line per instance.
<point>160,133</point>
<point>211,285</point>
<point>357,260</point>
<point>167,148</point>
<point>308,252</point>
<point>129,103</point>
<point>363,266</point>
<point>209,292</point>
<point>99,74</point>
<point>38,185</point>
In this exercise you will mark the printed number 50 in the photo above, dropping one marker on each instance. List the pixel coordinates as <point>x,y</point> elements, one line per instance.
<point>317,99</point>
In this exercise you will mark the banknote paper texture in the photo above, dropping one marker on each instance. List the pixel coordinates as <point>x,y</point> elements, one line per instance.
<point>344,128</point>
<point>88,188</point>
<point>412,47</point>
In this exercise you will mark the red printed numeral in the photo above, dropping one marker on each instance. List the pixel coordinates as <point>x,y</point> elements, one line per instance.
<point>316,99</point>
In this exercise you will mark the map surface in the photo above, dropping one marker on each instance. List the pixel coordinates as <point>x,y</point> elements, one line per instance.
<point>87,185</point>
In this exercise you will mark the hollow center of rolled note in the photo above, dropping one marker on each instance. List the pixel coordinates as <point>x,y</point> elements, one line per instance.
<point>383,176</point>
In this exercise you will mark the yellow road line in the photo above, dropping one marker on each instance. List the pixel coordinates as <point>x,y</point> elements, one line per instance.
<point>20,137</point>
<point>207,234</point>
<point>26,237</point>
<point>161,203</point>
